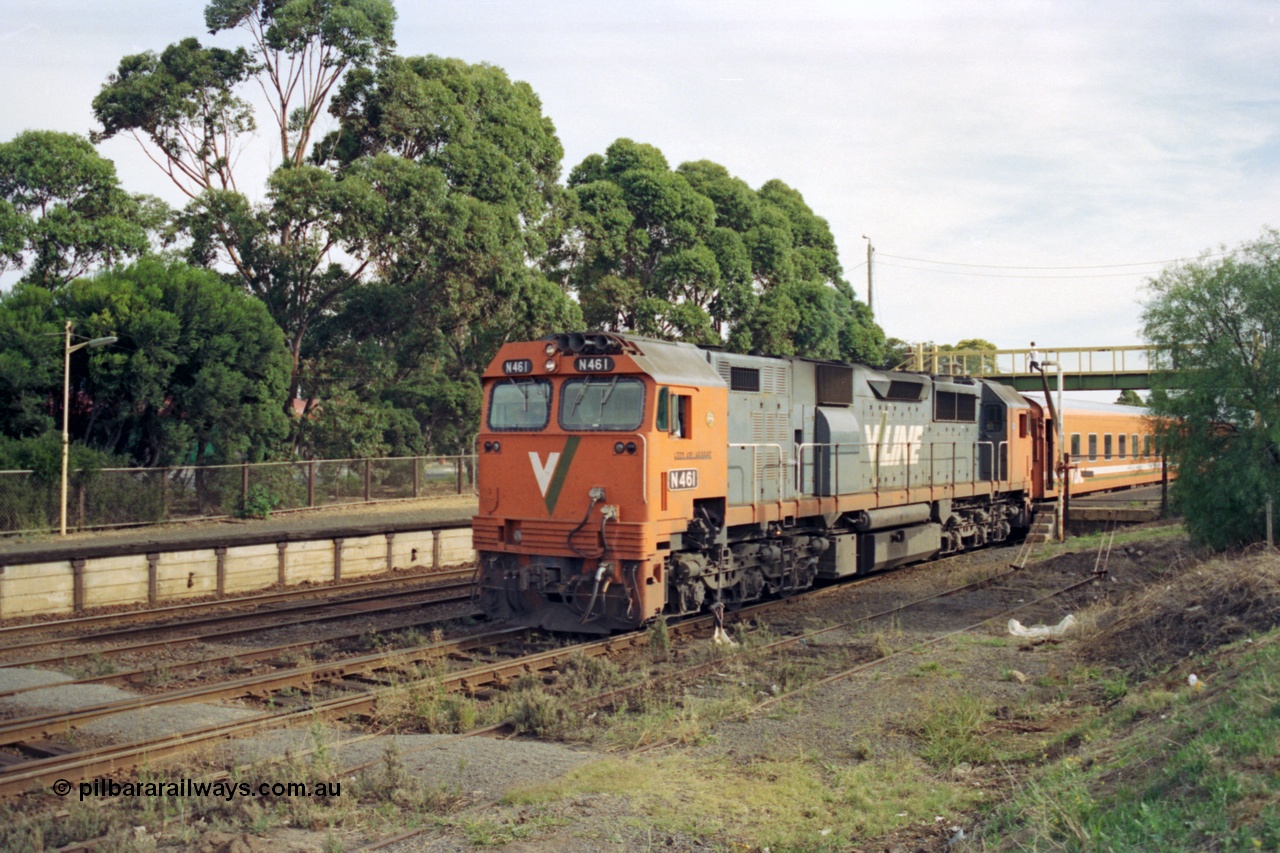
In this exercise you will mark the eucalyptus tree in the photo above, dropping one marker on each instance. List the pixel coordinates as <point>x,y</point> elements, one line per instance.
<point>695,253</point>
<point>197,371</point>
<point>1215,326</point>
<point>62,211</point>
<point>186,105</point>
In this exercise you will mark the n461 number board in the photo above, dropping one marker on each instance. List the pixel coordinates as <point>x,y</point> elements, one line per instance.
<point>680,479</point>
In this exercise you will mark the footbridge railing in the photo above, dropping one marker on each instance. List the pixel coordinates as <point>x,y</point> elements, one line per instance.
<point>1083,368</point>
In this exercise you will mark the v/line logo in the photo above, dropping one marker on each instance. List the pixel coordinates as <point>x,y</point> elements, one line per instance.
<point>550,475</point>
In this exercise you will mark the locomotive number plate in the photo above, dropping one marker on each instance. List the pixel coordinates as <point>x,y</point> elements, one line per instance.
<point>517,366</point>
<point>682,478</point>
<point>593,364</point>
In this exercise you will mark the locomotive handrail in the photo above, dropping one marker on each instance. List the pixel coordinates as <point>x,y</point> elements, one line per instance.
<point>992,448</point>
<point>644,468</point>
<point>755,495</point>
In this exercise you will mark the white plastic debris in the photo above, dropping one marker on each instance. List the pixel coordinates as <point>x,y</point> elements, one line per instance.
<point>1017,629</point>
<point>722,638</point>
<point>1196,683</point>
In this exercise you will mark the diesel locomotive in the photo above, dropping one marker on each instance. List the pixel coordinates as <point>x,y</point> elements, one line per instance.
<point>623,478</point>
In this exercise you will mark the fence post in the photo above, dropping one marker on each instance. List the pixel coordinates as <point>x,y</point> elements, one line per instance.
<point>221,553</point>
<point>368,480</point>
<point>282,574</point>
<point>311,483</point>
<point>77,584</point>
<point>153,578</point>
<point>416,460</point>
<point>459,475</point>
<point>164,493</point>
<point>1270,539</point>
<point>244,484</point>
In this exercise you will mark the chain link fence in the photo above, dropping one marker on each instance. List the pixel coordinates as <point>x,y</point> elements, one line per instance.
<point>117,497</point>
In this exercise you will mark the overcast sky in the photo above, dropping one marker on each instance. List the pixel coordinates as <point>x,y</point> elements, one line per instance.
<point>1090,140</point>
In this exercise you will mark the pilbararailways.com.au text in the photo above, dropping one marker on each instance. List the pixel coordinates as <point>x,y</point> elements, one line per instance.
<point>102,788</point>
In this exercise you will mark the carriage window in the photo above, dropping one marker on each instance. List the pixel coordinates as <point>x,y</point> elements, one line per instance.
<point>1075,445</point>
<point>1133,445</point>
<point>602,403</point>
<point>1093,446</point>
<point>1146,445</point>
<point>1120,448</point>
<point>520,404</point>
<point>1106,446</point>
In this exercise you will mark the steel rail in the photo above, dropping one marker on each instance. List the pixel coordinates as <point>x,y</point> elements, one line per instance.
<point>181,610</point>
<point>403,600</point>
<point>133,676</point>
<point>78,766</point>
<point>271,613</point>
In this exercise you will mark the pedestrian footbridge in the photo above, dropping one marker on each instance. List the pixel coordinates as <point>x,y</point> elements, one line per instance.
<point>1083,368</point>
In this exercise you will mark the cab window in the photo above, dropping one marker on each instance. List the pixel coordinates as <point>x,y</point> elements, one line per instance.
<point>602,403</point>
<point>674,413</point>
<point>520,404</point>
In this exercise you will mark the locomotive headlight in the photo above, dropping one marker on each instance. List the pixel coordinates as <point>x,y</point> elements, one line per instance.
<point>631,447</point>
<point>497,448</point>
<point>488,447</point>
<point>550,348</point>
<point>618,447</point>
<point>550,365</point>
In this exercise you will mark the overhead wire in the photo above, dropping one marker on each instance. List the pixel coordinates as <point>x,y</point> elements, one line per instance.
<point>1070,272</point>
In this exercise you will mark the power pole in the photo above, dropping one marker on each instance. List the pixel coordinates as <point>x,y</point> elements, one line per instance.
<point>871,251</point>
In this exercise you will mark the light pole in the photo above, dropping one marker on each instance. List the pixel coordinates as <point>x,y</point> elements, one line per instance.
<point>871,252</point>
<point>66,405</point>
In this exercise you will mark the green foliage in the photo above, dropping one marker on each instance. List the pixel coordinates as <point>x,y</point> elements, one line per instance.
<point>1129,397</point>
<point>198,365</point>
<point>62,212</point>
<point>695,254</point>
<point>1216,323</point>
<point>259,503</point>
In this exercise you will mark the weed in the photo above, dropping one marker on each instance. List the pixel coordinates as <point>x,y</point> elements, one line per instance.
<point>584,674</point>
<point>1115,689</point>
<point>951,733</point>
<point>933,667</point>
<point>426,706</point>
<point>538,712</point>
<point>93,666</point>
<point>659,640</point>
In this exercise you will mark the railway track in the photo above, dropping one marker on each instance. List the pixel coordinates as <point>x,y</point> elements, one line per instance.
<point>455,584</point>
<point>183,614</point>
<point>362,682</point>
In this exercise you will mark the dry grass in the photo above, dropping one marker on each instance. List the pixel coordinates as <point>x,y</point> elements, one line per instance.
<point>1217,603</point>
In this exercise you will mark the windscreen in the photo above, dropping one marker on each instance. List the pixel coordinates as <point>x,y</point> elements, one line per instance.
<point>602,403</point>
<point>520,404</point>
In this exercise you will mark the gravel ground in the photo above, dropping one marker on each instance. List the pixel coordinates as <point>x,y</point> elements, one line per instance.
<point>479,769</point>
<point>872,713</point>
<point>119,728</point>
